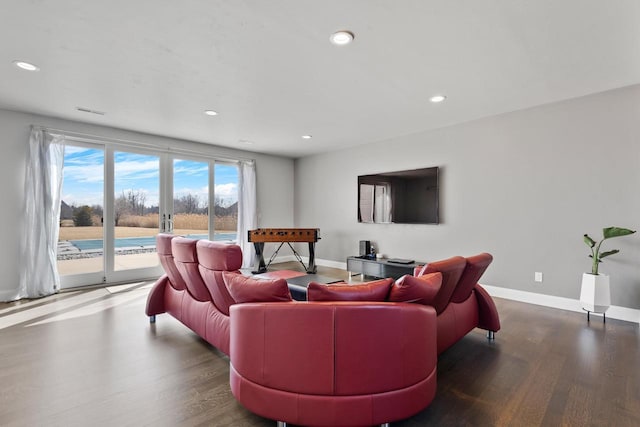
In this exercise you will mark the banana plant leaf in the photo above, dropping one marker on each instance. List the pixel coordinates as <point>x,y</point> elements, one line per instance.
<point>589,241</point>
<point>607,253</point>
<point>610,232</point>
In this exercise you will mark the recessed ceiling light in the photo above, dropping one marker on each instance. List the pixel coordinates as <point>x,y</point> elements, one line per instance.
<point>26,65</point>
<point>437,98</point>
<point>210,113</point>
<point>306,136</point>
<point>341,38</point>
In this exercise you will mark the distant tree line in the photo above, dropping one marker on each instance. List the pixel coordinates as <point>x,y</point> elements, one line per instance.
<point>132,203</point>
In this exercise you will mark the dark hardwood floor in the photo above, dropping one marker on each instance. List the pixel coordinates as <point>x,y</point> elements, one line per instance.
<point>91,358</point>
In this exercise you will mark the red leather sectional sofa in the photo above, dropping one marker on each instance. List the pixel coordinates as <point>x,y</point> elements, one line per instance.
<point>336,360</point>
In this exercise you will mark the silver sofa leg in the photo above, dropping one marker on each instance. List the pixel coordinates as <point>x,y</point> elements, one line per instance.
<point>152,319</point>
<point>491,335</point>
<point>385,425</point>
<point>281,424</point>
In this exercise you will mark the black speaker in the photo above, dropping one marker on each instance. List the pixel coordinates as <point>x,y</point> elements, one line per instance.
<point>365,247</point>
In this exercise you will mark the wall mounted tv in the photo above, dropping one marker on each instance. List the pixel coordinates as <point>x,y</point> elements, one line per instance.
<point>403,197</point>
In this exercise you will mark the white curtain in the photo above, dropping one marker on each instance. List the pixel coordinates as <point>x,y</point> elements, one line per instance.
<point>43,184</point>
<point>382,203</point>
<point>247,210</point>
<point>366,203</point>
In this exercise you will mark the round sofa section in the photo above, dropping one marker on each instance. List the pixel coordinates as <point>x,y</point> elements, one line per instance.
<point>333,363</point>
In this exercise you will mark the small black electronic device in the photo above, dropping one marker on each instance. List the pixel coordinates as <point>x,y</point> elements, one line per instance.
<point>400,261</point>
<point>365,248</point>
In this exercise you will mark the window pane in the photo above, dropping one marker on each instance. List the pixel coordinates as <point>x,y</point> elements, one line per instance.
<point>226,202</point>
<point>81,235</point>
<point>191,198</point>
<point>136,198</point>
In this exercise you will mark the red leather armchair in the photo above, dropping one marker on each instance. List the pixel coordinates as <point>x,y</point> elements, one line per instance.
<point>333,363</point>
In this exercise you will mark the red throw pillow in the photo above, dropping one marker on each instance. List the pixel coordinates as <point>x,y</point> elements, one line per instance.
<point>248,289</point>
<point>421,290</point>
<point>375,291</point>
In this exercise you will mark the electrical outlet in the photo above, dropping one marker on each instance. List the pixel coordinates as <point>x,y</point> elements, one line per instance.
<point>537,276</point>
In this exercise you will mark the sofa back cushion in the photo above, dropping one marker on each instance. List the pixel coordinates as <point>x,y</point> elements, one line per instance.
<point>219,256</point>
<point>214,259</point>
<point>375,291</point>
<point>475,268</point>
<point>421,290</point>
<point>247,289</point>
<point>186,259</point>
<point>163,248</point>
<point>451,269</point>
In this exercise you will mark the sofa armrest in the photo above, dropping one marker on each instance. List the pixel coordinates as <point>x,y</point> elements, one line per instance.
<point>487,312</point>
<point>155,299</point>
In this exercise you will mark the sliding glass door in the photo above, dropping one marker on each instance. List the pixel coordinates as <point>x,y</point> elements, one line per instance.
<point>113,244</point>
<point>115,201</point>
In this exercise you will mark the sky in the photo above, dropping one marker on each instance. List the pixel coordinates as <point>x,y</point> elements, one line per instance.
<point>84,177</point>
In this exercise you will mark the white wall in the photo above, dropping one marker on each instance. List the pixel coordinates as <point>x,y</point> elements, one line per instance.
<point>524,186</point>
<point>274,180</point>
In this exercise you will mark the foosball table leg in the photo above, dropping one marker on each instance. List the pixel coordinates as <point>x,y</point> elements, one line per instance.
<point>311,268</point>
<point>259,247</point>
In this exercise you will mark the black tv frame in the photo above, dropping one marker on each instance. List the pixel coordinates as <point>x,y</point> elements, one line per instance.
<point>414,196</point>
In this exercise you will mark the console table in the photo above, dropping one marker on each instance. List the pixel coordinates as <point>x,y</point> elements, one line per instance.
<point>380,267</point>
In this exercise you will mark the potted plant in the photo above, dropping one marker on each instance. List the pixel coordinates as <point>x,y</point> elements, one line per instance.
<point>595,295</point>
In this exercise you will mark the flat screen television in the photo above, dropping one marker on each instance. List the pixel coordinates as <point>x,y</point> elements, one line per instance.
<point>403,197</point>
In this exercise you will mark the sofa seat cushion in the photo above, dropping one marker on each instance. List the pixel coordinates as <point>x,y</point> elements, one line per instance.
<point>421,290</point>
<point>248,289</point>
<point>375,291</point>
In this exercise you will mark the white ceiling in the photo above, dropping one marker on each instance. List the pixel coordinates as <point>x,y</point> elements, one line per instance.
<point>268,68</point>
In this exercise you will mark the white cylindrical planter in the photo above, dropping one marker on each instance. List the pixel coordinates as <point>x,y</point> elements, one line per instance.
<point>595,295</point>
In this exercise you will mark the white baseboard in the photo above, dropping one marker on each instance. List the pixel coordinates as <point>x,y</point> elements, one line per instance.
<point>332,264</point>
<point>614,312</point>
<point>322,262</point>
<point>284,258</point>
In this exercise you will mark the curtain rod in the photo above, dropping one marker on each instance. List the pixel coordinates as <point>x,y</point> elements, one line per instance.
<point>126,142</point>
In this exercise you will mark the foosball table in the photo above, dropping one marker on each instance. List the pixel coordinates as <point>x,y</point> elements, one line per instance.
<point>261,236</point>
